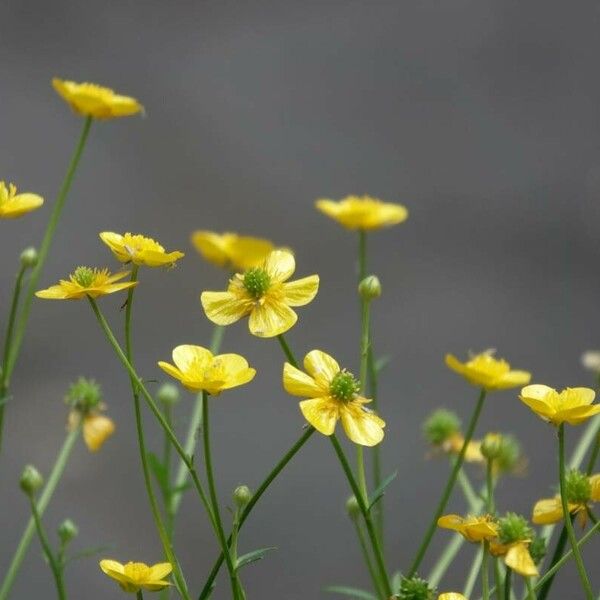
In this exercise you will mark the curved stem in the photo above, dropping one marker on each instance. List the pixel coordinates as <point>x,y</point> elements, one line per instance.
<point>507,583</point>
<point>55,475</point>
<point>212,490</point>
<point>449,487</point>
<point>570,532</point>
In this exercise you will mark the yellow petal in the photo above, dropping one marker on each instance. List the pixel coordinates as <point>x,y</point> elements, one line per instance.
<point>271,319</point>
<point>576,415</point>
<point>187,356</point>
<point>171,370</point>
<point>96,430</point>
<point>236,370</point>
<point>361,425</point>
<point>160,570</point>
<point>451,596</point>
<point>298,383</point>
<point>300,292</point>
<point>321,413</point>
<point>247,252</point>
<point>321,366</point>
<point>54,292</point>
<point>536,391</point>
<point>513,379</point>
<point>520,561</point>
<point>111,566</point>
<point>547,511</point>
<point>212,246</point>
<point>19,205</point>
<point>595,485</point>
<point>224,308</point>
<point>454,522</point>
<point>280,265</point>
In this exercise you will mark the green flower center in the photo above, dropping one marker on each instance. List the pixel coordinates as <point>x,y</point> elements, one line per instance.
<point>84,276</point>
<point>256,281</point>
<point>344,386</point>
<point>514,528</point>
<point>578,487</point>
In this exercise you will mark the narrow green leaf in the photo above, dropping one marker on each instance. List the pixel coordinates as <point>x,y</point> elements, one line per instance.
<point>380,491</point>
<point>350,592</point>
<point>251,557</point>
<point>159,472</point>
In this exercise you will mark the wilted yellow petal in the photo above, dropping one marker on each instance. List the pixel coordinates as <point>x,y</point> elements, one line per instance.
<point>520,561</point>
<point>96,430</point>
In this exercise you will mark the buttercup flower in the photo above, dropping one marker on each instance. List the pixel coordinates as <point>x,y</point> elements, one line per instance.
<point>483,370</point>
<point>136,576</point>
<point>139,250</point>
<point>363,212</point>
<point>97,428</point>
<point>265,294</point>
<point>514,538</point>
<point>572,405</point>
<point>84,282</point>
<point>333,394</point>
<point>232,251</point>
<point>91,100</point>
<point>198,369</point>
<point>473,529</point>
<point>13,205</point>
<point>451,596</point>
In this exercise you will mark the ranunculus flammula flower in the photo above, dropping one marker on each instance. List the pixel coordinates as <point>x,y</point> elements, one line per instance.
<point>363,212</point>
<point>84,282</point>
<point>199,370</point>
<point>488,372</point>
<point>333,394</point>
<point>136,576</point>
<point>92,100</point>
<point>473,529</point>
<point>139,250</point>
<point>13,205</point>
<point>516,556</point>
<point>571,405</point>
<point>265,294</point>
<point>230,250</point>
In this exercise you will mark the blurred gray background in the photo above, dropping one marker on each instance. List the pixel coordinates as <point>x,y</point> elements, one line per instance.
<point>481,116</point>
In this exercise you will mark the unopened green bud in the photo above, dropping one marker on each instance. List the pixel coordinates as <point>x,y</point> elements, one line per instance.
<point>31,480</point>
<point>67,531</point>
<point>352,508</point>
<point>415,588</point>
<point>491,445</point>
<point>369,288</point>
<point>441,425</point>
<point>510,456</point>
<point>168,394</point>
<point>514,528</point>
<point>241,496</point>
<point>537,548</point>
<point>578,487</point>
<point>84,395</point>
<point>29,257</point>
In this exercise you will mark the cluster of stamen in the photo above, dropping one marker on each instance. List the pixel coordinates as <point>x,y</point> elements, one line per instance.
<point>344,386</point>
<point>256,281</point>
<point>84,276</point>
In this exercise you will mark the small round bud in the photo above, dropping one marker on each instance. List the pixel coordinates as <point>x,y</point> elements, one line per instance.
<point>352,508</point>
<point>369,288</point>
<point>441,425</point>
<point>491,446</point>
<point>591,361</point>
<point>241,496</point>
<point>168,394</point>
<point>29,257</point>
<point>415,588</point>
<point>578,487</point>
<point>31,480</point>
<point>537,548</point>
<point>514,528</point>
<point>67,531</point>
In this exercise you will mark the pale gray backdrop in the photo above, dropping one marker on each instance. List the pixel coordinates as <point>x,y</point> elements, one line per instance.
<point>482,116</point>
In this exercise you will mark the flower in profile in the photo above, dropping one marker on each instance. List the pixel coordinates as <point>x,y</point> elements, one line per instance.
<point>472,528</point>
<point>199,370</point>
<point>513,542</point>
<point>265,294</point>
<point>139,250</point>
<point>571,405</point>
<point>488,372</point>
<point>92,100</point>
<point>136,576</point>
<point>363,212</point>
<point>581,492</point>
<point>84,282</point>
<point>13,205</point>
<point>230,250</point>
<point>333,394</point>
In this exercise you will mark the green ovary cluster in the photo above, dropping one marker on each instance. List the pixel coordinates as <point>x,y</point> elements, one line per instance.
<point>84,276</point>
<point>514,528</point>
<point>344,386</point>
<point>578,487</point>
<point>441,425</point>
<point>257,282</point>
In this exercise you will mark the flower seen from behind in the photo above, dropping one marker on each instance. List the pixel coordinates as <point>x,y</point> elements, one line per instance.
<point>136,576</point>
<point>473,529</point>
<point>362,212</point>
<point>139,250</point>
<point>13,205</point>
<point>332,395</point>
<point>199,370</point>
<point>264,294</point>
<point>92,100</point>
<point>84,282</point>
<point>488,372</point>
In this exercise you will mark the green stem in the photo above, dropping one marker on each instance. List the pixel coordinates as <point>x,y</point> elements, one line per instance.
<point>529,586</point>
<point>485,583</point>
<point>212,490</point>
<point>139,595</point>
<point>497,578</point>
<point>379,560</point>
<point>473,572</point>
<point>286,350</point>
<point>489,482</point>
<point>377,466</point>
<point>570,532</point>
<point>158,522</point>
<point>449,487</point>
<point>595,451</point>
<point>367,558</point>
<point>591,515</point>
<point>558,552</point>
<point>262,488</point>
<point>54,566</point>
<point>364,357</point>
<point>55,475</point>
<point>507,583</point>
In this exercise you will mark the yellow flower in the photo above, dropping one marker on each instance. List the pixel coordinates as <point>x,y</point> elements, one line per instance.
<point>363,212</point>
<point>91,100</point>
<point>572,405</point>
<point>473,529</point>
<point>263,293</point>
<point>483,370</point>
<point>333,394</point>
<point>96,430</point>
<point>13,205</point>
<point>516,556</point>
<point>84,282</point>
<point>198,369</point>
<point>139,250</point>
<point>451,596</point>
<point>135,576</point>
<point>232,251</point>
<point>454,444</point>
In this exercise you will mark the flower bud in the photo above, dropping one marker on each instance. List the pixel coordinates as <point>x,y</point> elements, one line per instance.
<point>352,508</point>
<point>514,528</point>
<point>491,445</point>
<point>369,288</point>
<point>441,425</point>
<point>31,480</point>
<point>67,531</point>
<point>591,361</point>
<point>168,394</point>
<point>241,496</point>
<point>29,257</point>
<point>415,588</point>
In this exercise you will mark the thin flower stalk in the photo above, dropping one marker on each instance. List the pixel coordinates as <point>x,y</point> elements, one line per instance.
<point>364,548</point>
<point>473,573</point>
<point>485,583</point>
<point>508,584</point>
